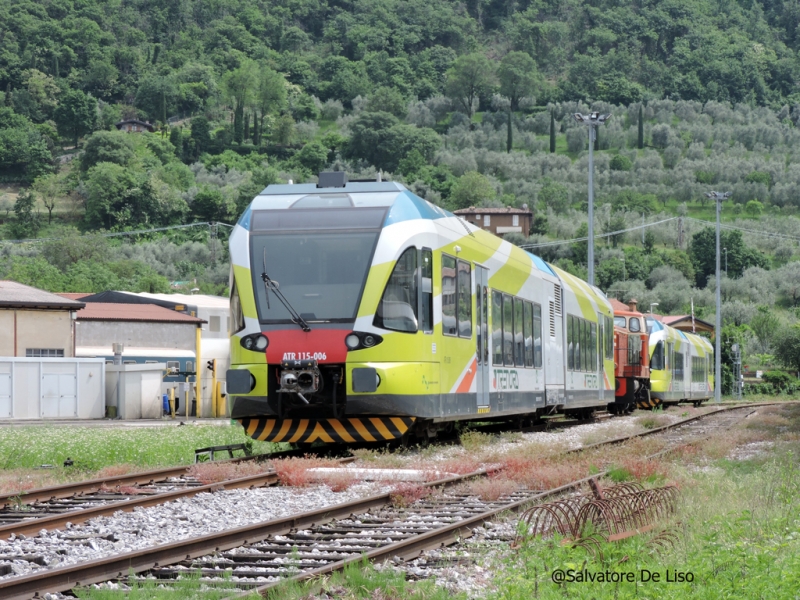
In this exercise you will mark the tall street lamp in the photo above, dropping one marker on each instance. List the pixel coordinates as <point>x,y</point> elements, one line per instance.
<point>718,197</point>
<point>652,304</point>
<point>592,121</point>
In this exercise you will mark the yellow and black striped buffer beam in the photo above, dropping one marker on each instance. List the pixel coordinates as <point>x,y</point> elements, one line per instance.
<point>329,431</point>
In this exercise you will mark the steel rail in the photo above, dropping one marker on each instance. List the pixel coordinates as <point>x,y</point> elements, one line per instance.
<point>448,535</point>
<point>92,486</point>
<point>96,571</point>
<point>119,566</point>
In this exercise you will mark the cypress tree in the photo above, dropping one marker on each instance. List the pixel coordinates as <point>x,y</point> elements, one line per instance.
<point>238,124</point>
<point>247,126</point>
<point>156,52</point>
<point>640,137</point>
<point>509,139</point>
<point>552,133</point>
<point>596,139</point>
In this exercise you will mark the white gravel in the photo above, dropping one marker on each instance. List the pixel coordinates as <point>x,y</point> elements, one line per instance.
<point>181,519</point>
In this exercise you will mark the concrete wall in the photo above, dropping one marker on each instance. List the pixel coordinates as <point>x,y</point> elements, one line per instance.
<point>52,388</point>
<point>136,333</point>
<point>35,329</point>
<point>135,390</point>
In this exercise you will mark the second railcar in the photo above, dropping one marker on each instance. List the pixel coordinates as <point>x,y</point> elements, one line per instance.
<point>681,365</point>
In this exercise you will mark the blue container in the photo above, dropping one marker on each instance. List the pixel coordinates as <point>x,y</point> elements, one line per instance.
<point>165,401</point>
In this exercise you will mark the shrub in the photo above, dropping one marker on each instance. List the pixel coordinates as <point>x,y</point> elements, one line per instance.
<point>780,380</point>
<point>406,493</point>
<point>621,163</point>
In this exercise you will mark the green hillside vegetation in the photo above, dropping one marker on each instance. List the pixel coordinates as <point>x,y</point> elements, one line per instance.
<point>467,104</point>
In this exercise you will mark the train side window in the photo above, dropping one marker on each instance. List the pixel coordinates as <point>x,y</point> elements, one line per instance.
<point>449,293</point>
<point>576,336</point>
<point>570,344</point>
<point>426,291</point>
<point>397,309</point>
<point>497,327</point>
<point>593,347</point>
<point>657,362</point>
<point>585,345</point>
<point>485,325</point>
<point>537,336</point>
<point>173,365</point>
<point>189,366</point>
<point>609,338</point>
<point>528,329</point>
<point>519,341</point>
<point>508,331</point>
<point>464,301</point>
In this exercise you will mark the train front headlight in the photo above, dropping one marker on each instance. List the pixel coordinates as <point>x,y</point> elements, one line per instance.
<point>261,343</point>
<point>352,341</point>
<point>257,342</point>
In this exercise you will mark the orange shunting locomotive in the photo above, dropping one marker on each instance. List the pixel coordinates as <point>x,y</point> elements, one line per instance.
<point>631,358</point>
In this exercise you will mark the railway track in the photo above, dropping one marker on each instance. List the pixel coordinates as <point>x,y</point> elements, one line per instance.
<point>309,544</point>
<point>53,507</point>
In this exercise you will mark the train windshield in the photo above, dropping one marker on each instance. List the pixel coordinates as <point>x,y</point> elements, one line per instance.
<point>321,274</point>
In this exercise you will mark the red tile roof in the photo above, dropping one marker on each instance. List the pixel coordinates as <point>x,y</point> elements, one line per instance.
<point>107,311</point>
<point>74,295</point>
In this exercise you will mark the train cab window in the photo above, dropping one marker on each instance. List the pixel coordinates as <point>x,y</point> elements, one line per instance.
<point>657,360</point>
<point>519,352</point>
<point>619,322</point>
<point>397,309</point>
<point>528,329</point>
<point>236,309</point>
<point>464,299</point>
<point>633,325</point>
<point>570,343</point>
<point>537,336</point>
<point>508,331</point>
<point>497,328</point>
<point>426,291</point>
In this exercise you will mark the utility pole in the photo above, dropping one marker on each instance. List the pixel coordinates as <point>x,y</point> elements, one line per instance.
<point>642,230</point>
<point>592,121</point>
<point>718,197</point>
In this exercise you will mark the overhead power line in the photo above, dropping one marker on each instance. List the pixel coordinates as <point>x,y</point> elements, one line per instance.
<point>603,235</point>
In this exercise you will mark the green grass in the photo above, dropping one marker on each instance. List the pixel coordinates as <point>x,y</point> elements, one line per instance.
<point>738,534</point>
<point>93,448</point>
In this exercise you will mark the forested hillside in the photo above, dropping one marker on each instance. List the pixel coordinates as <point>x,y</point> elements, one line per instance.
<point>466,103</point>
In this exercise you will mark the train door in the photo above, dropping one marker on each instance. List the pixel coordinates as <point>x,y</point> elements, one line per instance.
<point>554,376</point>
<point>482,327</point>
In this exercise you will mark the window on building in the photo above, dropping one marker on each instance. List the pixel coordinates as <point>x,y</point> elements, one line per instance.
<point>213,324</point>
<point>515,220</point>
<point>487,220</point>
<point>44,352</point>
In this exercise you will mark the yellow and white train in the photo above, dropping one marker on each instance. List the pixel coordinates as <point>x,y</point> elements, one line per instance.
<point>681,365</point>
<point>361,312</point>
